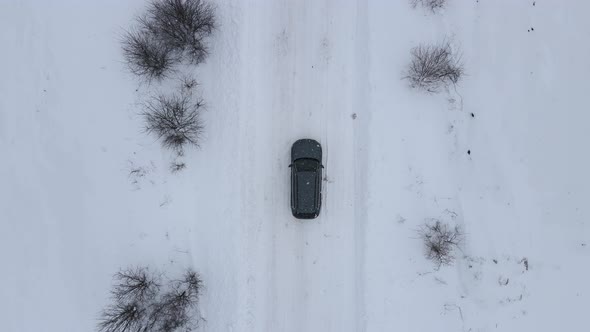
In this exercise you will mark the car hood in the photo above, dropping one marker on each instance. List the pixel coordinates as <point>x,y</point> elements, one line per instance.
<point>306,148</point>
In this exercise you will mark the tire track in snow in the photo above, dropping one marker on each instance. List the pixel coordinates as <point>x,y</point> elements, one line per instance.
<point>361,139</point>
<point>286,269</point>
<point>253,233</point>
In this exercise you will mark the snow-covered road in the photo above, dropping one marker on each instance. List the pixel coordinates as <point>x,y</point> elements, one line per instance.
<point>304,78</point>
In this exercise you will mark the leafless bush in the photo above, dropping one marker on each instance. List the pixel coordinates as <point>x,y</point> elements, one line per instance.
<point>177,166</point>
<point>133,290</point>
<point>188,83</point>
<point>182,25</point>
<point>147,56</point>
<point>440,240</point>
<point>177,308</point>
<point>135,284</point>
<point>139,307</point>
<point>175,120</point>
<point>123,317</point>
<point>434,66</point>
<point>171,31</point>
<point>432,5</point>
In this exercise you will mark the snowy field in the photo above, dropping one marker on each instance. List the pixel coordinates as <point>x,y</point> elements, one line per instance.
<point>85,192</point>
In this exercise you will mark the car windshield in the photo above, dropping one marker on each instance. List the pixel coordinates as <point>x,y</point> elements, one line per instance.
<point>306,164</point>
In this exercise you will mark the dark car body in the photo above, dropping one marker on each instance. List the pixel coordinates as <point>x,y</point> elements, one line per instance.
<point>306,179</point>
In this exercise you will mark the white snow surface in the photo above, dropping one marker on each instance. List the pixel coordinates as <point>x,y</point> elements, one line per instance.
<point>72,212</point>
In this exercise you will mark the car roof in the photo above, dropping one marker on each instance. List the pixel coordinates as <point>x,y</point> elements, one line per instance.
<point>306,192</point>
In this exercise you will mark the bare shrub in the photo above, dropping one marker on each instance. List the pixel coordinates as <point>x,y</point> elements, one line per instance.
<point>138,305</point>
<point>440,240</point>
<point>123,317</point>
<point>182,25</point>
<point>177,166</point>
<point>175,120</point>
<point>188,83</point>
<point>170,32</point>
<point>434,66</point>
<point>133,290</point>
<point>432,5</point>
<point>177,307</point>
<point>146,56</point>
<point>135,284</point>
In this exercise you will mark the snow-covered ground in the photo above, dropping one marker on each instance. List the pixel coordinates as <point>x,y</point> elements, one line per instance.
<point>85,192</point>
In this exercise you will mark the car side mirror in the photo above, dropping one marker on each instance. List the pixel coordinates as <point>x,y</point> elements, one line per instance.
<point>290,165</point>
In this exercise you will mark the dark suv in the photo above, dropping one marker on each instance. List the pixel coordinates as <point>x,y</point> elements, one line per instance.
<point>306,178</point>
